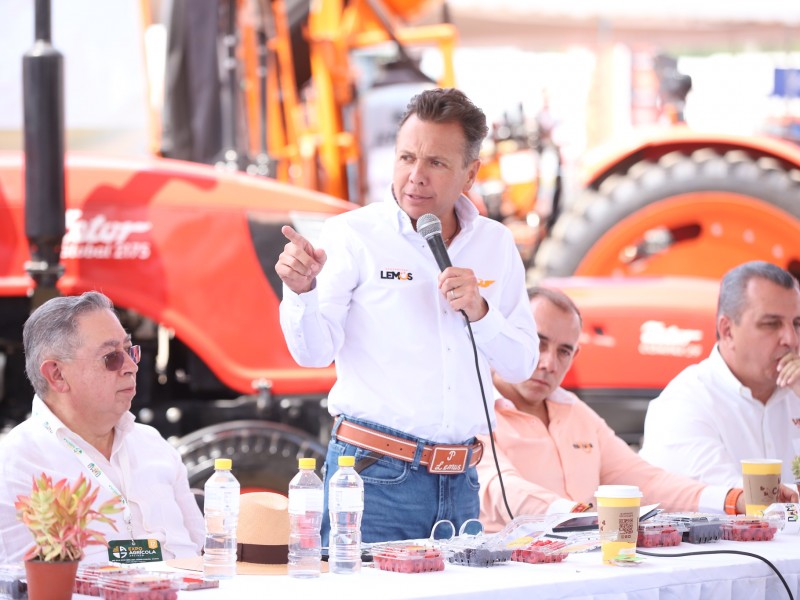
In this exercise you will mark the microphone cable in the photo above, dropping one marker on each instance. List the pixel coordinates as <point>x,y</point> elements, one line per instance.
<point>740,552</point>
<point>488,418</point>
<point>430,228</point>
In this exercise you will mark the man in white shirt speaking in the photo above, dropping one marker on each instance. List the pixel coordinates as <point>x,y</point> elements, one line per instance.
<point>83,368</point>
<point>743,401</point>
<point>408,402</point>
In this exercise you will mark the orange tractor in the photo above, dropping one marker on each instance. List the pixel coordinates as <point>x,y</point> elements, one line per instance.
<point>186,250</point>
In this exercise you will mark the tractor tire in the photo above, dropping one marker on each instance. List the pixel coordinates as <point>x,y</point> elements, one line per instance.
<point>699,214</point>
<point>264,453</point>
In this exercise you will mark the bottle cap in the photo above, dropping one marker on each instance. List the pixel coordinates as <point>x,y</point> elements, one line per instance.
<point>308,463</point>
<point>347,461</point>
<point>223,464</point>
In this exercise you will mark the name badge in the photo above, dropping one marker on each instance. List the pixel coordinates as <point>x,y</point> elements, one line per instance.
<point>134,551</point>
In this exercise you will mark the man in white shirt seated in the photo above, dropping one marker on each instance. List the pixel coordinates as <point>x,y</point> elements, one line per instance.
<point>83,369</point>
<point>743,401</point>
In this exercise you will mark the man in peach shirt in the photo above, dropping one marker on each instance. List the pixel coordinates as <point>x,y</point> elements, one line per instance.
<point>553,450</point>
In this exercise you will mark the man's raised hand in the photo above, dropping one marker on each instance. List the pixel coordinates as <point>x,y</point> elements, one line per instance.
<point>299,263</point>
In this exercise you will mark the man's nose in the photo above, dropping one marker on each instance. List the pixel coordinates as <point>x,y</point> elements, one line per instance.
<point>790,336</point>
<point>546,360</point>
<point>417,172</point>
<point>129,366</point>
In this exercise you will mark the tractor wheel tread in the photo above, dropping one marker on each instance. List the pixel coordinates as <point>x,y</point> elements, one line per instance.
<point>620,195</point>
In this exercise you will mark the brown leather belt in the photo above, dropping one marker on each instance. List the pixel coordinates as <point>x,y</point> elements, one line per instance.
<point>441,459</point>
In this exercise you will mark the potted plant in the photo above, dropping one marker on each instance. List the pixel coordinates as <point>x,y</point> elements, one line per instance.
<point>59,515</point>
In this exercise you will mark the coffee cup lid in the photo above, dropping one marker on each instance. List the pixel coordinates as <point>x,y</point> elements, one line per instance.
<point>618,491</point>
<point>761,461</point>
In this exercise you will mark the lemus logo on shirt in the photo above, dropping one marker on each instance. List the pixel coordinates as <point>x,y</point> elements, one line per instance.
<point>484,283</point>
<point>396,274</point>
<point>585,446</point>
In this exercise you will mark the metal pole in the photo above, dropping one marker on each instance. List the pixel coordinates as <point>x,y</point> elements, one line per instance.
<point>43,107</point>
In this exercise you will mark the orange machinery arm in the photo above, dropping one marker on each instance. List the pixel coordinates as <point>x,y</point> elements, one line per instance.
<point>308,135</point>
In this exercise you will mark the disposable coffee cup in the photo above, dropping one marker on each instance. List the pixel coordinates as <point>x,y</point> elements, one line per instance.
<point>761,481</point>
<point>618,520</point>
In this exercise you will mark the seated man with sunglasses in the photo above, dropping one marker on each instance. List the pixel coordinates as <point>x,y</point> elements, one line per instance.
<point>83,367</point>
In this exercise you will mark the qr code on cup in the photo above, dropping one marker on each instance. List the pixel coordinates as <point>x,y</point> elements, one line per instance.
<point>626,527</point>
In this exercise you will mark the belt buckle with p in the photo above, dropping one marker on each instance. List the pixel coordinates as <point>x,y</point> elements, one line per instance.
<point>448,460</point>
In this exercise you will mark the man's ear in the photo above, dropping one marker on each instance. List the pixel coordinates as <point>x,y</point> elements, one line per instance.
<point>574,355</point>
<point>472,174</point>
<point>51,371</point>
<point>724,324</point>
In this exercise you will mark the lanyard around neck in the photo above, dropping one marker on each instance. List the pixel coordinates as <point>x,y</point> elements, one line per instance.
<point>91,466</point>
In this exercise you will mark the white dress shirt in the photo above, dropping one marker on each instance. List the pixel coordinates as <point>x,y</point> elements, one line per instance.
<point>705,422</point>
<point>143,466</point>
<point>403,355</point>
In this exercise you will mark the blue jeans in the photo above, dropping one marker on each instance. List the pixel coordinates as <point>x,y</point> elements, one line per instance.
<point>401,499</point>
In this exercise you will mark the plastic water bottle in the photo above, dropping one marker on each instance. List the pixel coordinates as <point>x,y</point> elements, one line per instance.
<point>221,510</point>
<point>305,519</point>
<point>786,514</point>
<point>346,506</point>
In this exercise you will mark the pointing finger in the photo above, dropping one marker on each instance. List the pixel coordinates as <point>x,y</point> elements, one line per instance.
<point>299,241</point>
<point>293,236</point>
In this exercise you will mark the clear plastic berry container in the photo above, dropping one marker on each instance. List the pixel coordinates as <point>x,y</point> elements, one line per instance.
<point>479,555</point>
<point>695,528</point>
<point>471,548</point>
<point>748,529</point>
<point>540,551</point>
<point>479,550</point>
<point>408,558</point>
<point>12,582</point>
<point>87,579</point>
<point>414,556</point>
<point>655,535</point>
<point>703,531</point>
<point>153,585</point>
<point>524,529</point>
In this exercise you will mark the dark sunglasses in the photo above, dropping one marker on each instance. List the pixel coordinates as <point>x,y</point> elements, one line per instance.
<point>114,360</point>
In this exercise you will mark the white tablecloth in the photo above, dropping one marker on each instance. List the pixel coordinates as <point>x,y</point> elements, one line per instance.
<point>580,576</point>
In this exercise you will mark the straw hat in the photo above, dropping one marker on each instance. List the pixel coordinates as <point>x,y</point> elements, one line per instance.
<point>262,537</point>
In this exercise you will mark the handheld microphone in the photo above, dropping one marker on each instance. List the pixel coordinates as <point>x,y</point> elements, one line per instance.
<point>430,227</point>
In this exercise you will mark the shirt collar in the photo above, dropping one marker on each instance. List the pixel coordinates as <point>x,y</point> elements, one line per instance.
<point>43,412</point>
<point>562,396</point>
<point>725,376</point>
<point>40,408</point>
<point>728,380</point>
<point>466,211</point>
<point>559,396</point>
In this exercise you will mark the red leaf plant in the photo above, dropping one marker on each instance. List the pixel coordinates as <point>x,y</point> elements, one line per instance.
<point>59,516</point>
